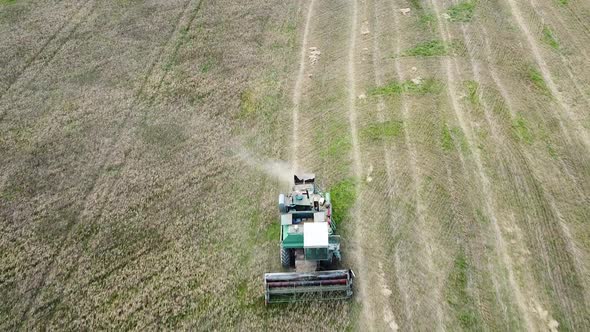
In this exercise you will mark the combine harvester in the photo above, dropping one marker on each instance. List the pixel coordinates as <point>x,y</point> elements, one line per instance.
<point>310,246</point>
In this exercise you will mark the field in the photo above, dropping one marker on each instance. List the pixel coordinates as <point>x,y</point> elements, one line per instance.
<point>143,145</point>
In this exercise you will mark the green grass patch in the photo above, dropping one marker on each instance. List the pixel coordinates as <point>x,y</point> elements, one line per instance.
<point>248,103</point>
<point>242,292</point>
<point>208,65</point>
<point>551,150</point>
<point>458,295</point>
<point>436,48</point>
<point>522,131</point>
<point>356,307</point>
<point>472,88</point>
<point>459,137</point>
<point>392,88</point>
<point>549,38</point>
<point>539,83</point>
<point>273,231</point>
<point>336,146</point>
<point>20,136</point>
<point>428,48</point>
<point>260,102</point>
<point>460,271</point>
<point>416,4</point>
<point>10,193</point>
<point>173,59</point>
<point>113,170</point>
<point>462,12</point>
<point>427,86</point>
<point>164,136</point>
<point>481,217</point>
<point>426,21</point>
<point>87,77</point>
<point>446,139</point>
<point>563,2</point>
<point>453,136</point>
<point>343,196</point>
<point>501,109</point>
<point>482,135</point>
<point>12,13</point>
<point>383,130</point>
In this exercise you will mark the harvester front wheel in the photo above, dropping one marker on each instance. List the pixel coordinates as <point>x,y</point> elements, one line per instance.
<point>286,257</point>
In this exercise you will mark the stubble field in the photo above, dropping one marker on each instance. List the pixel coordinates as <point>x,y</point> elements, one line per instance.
<point>143,145</point>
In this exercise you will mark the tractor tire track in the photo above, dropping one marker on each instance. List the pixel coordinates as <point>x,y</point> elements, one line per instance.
<point>558,256</point>
<point>416,182</point>
<point>177,46</point>
<point>141,253</point>
<point>367,319</point>
<point>579,44</point>
<point>498,142</point>
<point>145,84</point>
<point>297,89</point>
<point>513,158</point>
<point>389,317</point>
<point>526,161</point>
<point>580,21</point>
<point>501,87</point>
<point>97,175</point>
<point>89,10</point>
<point>575,43</point>
<point>545,72</point>
<point>515,162</point>
<point>29,62</point>
<point>134,104</point>
<point>483,180</point>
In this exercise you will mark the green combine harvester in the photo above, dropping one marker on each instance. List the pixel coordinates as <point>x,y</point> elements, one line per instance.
<point>309,247</point>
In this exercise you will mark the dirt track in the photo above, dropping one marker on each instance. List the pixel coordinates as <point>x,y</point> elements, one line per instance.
<point>140,146</point>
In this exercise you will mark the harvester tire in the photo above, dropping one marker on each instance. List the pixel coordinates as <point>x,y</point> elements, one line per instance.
<point>286,257</point>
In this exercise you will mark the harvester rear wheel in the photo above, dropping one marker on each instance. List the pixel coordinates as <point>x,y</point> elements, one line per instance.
<point>286,257</point>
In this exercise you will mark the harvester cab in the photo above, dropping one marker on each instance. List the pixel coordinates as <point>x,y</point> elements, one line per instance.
<point>309,246</point>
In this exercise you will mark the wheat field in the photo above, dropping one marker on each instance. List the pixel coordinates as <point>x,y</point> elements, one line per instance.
<point>143,145</point>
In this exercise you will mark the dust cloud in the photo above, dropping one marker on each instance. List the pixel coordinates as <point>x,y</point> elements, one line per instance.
<point>278,169</point>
